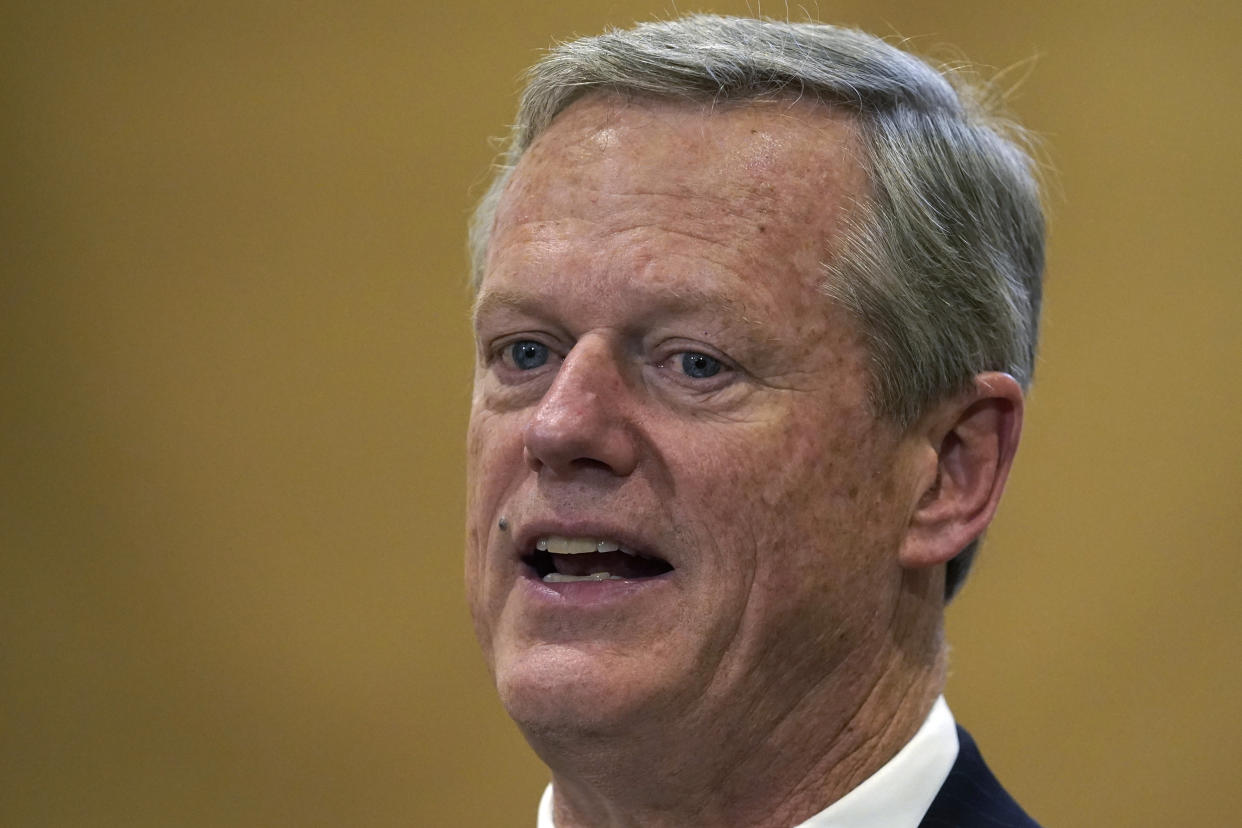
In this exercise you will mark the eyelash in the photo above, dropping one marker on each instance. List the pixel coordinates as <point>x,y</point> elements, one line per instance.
<point>672,360</point>
<point>678,363</point>
<point>502,353</point>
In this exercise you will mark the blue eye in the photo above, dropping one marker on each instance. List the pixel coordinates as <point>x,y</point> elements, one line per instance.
<point>699,366</point>
<point>527,354</point>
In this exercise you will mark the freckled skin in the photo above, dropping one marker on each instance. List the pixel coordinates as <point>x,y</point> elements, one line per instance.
<point>773,491</point>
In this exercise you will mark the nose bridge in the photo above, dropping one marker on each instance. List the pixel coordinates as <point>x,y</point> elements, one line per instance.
<point>581,419</point>
<point>591,366</point>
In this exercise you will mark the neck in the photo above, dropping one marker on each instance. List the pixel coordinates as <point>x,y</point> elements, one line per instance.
<point>777,768</point>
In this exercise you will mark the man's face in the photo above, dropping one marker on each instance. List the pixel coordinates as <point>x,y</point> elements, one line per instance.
<point>658,371</point>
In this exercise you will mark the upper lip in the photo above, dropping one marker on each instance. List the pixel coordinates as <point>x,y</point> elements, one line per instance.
<point>526,536</point>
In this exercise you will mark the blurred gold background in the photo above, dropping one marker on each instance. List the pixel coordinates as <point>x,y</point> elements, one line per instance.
<point>235,380</point>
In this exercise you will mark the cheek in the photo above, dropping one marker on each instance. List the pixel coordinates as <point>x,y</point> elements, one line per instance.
<point>800,467</point>
<point>750,497</point>
<point>493,456</point>
<point>493,452</point>
<point>812,492</point>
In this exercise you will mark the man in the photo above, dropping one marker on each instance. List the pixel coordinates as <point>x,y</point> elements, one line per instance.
<point>756,305</point>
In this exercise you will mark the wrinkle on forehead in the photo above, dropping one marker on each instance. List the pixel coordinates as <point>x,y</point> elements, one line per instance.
<point>658,298</point>
<point>801,158</point>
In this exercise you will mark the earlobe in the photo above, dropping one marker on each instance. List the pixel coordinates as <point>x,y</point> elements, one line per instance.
<point>975,437</point>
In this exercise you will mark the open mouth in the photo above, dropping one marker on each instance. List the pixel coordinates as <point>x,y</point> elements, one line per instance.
<point>556,559</point>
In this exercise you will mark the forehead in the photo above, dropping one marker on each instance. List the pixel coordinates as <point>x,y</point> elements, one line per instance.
<point>787,167</point>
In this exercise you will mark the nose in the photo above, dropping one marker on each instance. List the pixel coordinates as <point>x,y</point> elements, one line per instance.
<point>582,421</point>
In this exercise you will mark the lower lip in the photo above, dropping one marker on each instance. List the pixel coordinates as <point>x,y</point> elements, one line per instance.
<point>593,593</point>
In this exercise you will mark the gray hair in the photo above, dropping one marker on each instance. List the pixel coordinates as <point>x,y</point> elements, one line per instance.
<point>943,264</point>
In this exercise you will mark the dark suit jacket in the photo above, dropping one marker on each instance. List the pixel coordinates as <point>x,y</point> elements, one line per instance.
<point>972,798</point>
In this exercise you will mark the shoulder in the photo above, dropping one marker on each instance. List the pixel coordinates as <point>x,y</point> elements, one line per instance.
<point>971,796</point>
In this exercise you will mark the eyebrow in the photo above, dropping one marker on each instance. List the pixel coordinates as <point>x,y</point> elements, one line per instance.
<point>664,300</point>
<point>488,301</point>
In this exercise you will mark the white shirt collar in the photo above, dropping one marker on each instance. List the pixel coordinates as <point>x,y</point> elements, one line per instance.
<point>895,796</point>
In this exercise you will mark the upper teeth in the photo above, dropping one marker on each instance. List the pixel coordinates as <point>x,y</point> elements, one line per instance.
<point>558,545</point>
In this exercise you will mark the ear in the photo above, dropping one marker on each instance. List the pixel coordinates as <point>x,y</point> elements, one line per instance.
<point>973,438</point>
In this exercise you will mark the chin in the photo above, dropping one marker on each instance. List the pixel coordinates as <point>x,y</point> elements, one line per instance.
<point>561,692</point>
